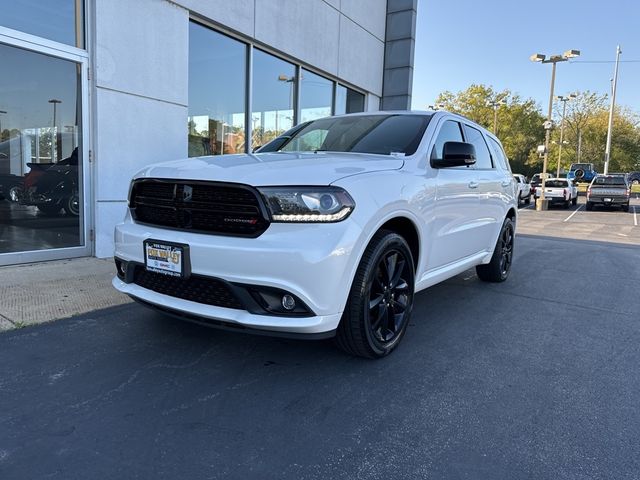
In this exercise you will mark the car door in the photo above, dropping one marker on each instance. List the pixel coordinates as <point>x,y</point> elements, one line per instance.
<point>491,180</point>
<point>456,204</point>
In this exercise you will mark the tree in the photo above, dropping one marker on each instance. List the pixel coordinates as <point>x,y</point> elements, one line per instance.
<point>519,121</point>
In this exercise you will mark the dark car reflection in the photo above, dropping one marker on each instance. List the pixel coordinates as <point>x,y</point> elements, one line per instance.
<point>51,187</point>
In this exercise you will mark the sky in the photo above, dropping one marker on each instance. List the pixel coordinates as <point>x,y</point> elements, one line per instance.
<point>460,42</point>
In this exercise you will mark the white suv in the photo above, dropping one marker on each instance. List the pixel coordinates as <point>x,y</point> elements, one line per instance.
<point>328,234</point>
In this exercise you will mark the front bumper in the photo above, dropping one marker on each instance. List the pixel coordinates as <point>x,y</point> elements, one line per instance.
<point>314,262</point>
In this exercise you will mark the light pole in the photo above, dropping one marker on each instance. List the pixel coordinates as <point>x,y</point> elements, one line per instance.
<point>564,101</point>
<point>553,59</point>
<point>607,151</point>
<point>55,103</point>
<point>496,104</point>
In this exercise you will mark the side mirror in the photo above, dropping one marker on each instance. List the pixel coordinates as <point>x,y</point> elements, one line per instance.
<point>456,154</point>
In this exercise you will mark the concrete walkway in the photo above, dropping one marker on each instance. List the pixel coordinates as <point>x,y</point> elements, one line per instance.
<point>41,292</point>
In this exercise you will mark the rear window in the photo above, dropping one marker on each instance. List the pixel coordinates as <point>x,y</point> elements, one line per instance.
<point>583,166</point>
<point>556,184</point>
<point>609,181</point>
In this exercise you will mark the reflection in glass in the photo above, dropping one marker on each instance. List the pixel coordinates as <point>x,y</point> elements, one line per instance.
<point>348,101</point>
<point>273,94</point>
<point>217,66</point>
<point>316,94</point>
<point>58,20</point>
<point>40,152</point>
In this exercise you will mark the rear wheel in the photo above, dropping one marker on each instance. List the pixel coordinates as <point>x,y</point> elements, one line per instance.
<point>381,298</point>
<point>497,270</point>
<point>567,203</point>
<point>72,205</point>
<point>528,200</point>
<point>589,206</point>
<point>574,202</point>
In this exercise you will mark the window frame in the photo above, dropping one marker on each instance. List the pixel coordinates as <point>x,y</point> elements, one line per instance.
<point>252,44</point>
<point>482,134</point>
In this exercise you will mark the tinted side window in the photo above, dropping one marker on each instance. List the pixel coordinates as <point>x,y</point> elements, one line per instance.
<point>498,154</point>
<point>474,137</point>
<point>449,132</point>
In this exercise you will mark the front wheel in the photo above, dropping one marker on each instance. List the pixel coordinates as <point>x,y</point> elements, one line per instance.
<point>381,298</point>
<point>497,270</point>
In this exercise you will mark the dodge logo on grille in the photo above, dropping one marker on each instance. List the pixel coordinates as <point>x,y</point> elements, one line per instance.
<point>187,193</point>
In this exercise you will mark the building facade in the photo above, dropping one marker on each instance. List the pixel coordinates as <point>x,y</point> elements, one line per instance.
<point>91,91</point>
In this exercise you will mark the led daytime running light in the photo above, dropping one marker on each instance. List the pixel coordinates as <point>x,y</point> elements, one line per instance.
<point>335,217</point>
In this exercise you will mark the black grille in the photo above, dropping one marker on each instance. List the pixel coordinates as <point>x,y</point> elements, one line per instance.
<point>209,207</point>
<point>207,290</point>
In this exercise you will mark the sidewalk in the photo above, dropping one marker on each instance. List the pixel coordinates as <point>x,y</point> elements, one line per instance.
<point>41,292</point>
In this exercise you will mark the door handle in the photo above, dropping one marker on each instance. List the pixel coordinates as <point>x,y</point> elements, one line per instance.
<point>506,183</point>
<point>473,184</point>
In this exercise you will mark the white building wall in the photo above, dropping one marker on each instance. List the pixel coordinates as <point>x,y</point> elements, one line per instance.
<point>140,70</point>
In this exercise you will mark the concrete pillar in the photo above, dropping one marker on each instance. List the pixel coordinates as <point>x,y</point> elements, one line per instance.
<point>400,40</point>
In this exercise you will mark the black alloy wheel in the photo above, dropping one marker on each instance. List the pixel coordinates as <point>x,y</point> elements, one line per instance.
<point>72,205</point>
<point>497,270</point>
<point>389,296</point>
<point>380,300</point>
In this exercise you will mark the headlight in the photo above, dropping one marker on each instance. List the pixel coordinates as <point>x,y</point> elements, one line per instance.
<point>308,204</point>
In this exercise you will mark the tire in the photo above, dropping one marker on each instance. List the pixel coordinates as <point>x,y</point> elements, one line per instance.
<point>574,202</point>
<point>589,206</point>
<point>72,205</point>
<point>625,207</point>
<point>379,304</point>
<point>567,204</point>
<point>497,270</point>
<point>528,201</point>
<point>635,181</point>
<point>579,174</point>
<point>50,210</point>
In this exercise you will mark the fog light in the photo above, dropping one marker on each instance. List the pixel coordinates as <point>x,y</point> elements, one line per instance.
<point>288,302</point>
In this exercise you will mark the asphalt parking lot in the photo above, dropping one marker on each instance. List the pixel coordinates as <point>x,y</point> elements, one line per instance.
<point>534,378</point>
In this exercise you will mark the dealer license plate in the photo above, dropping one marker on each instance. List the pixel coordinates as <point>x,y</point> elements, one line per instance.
<point>165,258</point>
<point>607,199</point>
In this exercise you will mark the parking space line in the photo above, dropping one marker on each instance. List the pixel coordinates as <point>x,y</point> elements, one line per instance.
<point>575,211</point>
<point>635,216</point>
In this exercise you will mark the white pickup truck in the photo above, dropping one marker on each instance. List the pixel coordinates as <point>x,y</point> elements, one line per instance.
<point>524,188</point>
<point>559,190</point>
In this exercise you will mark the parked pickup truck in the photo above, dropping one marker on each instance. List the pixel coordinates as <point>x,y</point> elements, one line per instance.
<point>559,190</point>
<point>581,172</point>
<point>609,190</point>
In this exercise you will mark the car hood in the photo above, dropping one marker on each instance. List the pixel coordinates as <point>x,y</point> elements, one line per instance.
<point>264,169</point>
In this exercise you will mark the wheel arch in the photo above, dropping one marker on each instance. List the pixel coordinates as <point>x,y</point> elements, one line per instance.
<point>406,228</point>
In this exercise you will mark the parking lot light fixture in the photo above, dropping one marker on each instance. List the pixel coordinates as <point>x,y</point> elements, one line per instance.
<point>553,59</point>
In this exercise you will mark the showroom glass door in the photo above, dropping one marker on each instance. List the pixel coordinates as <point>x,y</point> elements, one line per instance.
<point>43,150</point>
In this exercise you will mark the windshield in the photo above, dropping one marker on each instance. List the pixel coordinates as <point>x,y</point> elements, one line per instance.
<point>556,183</point>
<point>609,181</point>
<point>378,134</point>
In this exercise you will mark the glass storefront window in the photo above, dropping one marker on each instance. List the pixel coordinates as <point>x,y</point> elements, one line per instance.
<point>40,152</point>
<point>316,94</point>
<point>273,97</point>
<point>348,101</point>
<point>59,20</point>
<point>217,80</point>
